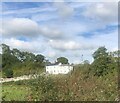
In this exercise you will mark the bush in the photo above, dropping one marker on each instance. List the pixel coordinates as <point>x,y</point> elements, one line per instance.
<point>102,66</point>
<point>9,73</point>
<point>44,89</point>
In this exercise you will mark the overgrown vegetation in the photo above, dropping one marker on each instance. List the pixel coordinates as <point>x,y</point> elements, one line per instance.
<point>79,85</point>
<point>97,81</point>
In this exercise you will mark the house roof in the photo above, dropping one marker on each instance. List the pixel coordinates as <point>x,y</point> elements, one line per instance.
<point>59,64</point>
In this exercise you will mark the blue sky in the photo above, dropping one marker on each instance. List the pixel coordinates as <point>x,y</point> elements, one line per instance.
<point>55,29</point>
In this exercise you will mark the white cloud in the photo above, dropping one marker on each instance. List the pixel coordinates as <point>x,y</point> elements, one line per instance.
<point>20,27</point>
<point>63,9</point>
<point>51,32</point>
<point>69,45</point>
<point>26,46</point>
<point>51,54</point>
<point>27,28</point>
<point>110,40</point>
<point>82,43</point>
<point>105,12</point>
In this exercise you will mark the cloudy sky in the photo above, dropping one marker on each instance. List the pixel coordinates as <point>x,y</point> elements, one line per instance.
<point>55,29</point>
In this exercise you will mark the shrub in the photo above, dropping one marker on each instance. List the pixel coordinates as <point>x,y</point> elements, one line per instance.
<point>9,73</point>
<point>43,88</point>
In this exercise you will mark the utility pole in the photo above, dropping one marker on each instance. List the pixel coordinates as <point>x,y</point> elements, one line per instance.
<point>82,58</point>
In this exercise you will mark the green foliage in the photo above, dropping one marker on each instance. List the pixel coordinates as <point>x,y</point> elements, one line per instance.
<point>9,73</point>
<point>27,57</point>
<point>101,51</point>
<point>78,86</point>
<point>62,60</point>
<point>21,63</point>
<point>13,92</point>
<point>28,68</point>
<point>9,60</point>
<point>5,49</point>
<point>43,89</point>
<point>101,63</point>
<point>39,58</point>
<point>100,67</point>
<point>0,61</point>
<point>86,62</point>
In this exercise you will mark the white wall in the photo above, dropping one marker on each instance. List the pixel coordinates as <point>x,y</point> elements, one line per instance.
<point>58,69</point>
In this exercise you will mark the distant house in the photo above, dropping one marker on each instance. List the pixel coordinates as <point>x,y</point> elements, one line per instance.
<point>58,68</point>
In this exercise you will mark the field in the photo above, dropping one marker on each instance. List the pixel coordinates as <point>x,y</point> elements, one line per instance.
<point>14,92</point>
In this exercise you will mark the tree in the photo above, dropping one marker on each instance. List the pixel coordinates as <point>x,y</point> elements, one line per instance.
<point>115,55</point>
<point>16,53</point>
<point>101,51</point>
<point>47,62</point>
<point>39,58</point>
<point>8,61</point>
<point>62,60</point>
<point>14,60</point>
<point>5,49</point>
<point>86,62</point>
<point>102,61</point>
<point>27,57</point>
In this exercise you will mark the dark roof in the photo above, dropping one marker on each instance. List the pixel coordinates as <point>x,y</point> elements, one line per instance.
<point>59,65</point>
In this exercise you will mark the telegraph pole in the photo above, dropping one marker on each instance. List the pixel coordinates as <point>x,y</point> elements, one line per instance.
<point>82,58</point>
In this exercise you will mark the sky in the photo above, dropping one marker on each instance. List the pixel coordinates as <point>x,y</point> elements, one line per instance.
<point>55,29</point>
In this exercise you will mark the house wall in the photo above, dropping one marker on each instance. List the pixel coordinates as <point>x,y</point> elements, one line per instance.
<point>58,69</point>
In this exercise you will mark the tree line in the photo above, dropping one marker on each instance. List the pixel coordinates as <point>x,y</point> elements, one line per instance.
<point>13,60</point>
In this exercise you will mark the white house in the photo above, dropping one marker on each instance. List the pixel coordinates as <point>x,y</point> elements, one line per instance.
<point>58,69</point>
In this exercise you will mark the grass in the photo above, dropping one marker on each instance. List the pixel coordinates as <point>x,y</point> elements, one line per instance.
<point>13,92</point>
